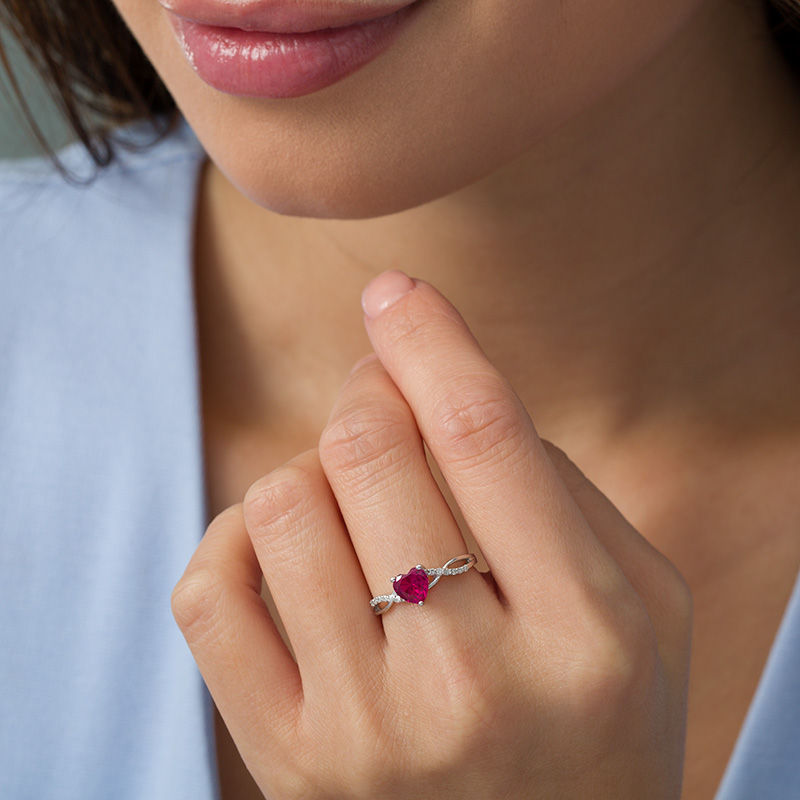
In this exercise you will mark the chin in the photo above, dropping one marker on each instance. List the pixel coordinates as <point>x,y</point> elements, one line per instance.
<point>344,190</point>
<point>323,198</point>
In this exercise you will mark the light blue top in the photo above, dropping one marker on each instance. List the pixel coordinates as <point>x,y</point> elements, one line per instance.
<point>102,500</point>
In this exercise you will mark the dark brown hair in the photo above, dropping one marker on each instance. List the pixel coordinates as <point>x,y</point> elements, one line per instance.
<point>96,73</point>
<point>100,79</point>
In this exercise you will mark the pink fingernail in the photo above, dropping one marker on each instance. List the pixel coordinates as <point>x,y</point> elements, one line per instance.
<point>384,290</point>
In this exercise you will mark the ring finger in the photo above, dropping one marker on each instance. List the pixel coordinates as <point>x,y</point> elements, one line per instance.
<point>373,456</point>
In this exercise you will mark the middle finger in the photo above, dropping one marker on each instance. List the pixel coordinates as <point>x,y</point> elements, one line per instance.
<point>533,535</point>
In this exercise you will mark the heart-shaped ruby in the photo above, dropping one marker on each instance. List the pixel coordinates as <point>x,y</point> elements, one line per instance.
<point>413,586</point>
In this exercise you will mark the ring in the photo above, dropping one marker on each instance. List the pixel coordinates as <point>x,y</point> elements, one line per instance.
<point>413,586</point>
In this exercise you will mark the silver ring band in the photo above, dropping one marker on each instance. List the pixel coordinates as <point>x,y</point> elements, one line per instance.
<point>413,586</point>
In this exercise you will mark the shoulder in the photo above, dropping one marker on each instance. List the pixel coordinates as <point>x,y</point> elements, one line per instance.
<point>101,467</point>
<point>51,227</point>
<point>82,265</point>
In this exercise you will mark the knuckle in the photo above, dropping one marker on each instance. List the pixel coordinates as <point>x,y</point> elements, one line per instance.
<point>469,692</point>
<point>569,472</point>
<point>556,454</point>
<point>195,601</point>
<point>301,782</point>
<point>617,664</point>
<point>366,443</point>
<point>279,501</point>
<point>371,755</point>
<point>670,598</point>
<point>377,774</point>
<point>478,422</point>
<point>676,594</point>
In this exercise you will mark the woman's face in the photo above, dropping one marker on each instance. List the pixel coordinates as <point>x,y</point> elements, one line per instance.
<point>465,88</point>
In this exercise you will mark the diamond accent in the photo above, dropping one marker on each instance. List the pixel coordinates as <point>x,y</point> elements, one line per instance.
<point>413,586</point>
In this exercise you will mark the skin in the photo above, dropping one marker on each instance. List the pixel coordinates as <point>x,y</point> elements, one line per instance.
<point>635,227</point>
<point>564,674</point>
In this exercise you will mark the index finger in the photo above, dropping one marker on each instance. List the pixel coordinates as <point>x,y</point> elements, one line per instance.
<point>521,513</point>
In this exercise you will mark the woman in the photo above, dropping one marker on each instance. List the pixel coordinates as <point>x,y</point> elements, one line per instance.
<point>608,194</point>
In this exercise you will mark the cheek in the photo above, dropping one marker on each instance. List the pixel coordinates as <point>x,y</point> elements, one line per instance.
<point>468,87</point>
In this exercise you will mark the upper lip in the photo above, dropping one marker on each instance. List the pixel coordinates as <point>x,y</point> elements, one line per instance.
<point>281,16</point>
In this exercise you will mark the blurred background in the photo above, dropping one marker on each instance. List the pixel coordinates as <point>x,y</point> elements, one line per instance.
<point>16,141</point>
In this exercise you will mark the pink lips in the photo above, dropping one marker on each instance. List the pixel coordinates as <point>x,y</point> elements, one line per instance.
<point>280,16</point>
<point>245,49</point>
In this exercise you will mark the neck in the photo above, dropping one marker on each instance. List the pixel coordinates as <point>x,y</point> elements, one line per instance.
<point>638,263</point>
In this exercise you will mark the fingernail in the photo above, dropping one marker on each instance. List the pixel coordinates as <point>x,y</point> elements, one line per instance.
<point>384,290</point>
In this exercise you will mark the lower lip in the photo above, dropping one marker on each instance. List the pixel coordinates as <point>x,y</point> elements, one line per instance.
<point>260,64</point>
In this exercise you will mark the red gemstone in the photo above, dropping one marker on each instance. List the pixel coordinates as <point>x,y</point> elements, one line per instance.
<point>413,586</point>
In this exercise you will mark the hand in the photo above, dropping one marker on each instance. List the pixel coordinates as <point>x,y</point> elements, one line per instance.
<point>563,674</point>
